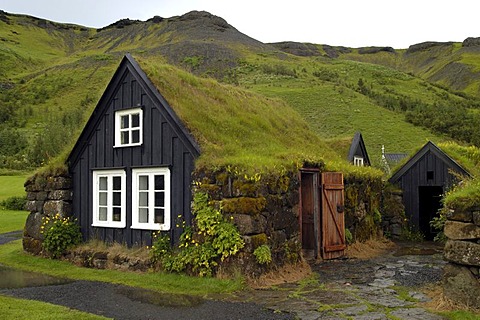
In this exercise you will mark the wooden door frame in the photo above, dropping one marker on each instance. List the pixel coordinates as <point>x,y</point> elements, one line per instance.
<point>316,208</point>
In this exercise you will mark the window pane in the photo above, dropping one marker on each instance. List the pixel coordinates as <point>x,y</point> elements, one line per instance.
<point>143,182</point>
<point>117,199</point>
<point>143,199</point>
<point>102,183</point>
<point>117,214</point>
<point>159,182</point>
<point>124,137</point>
<point>159,216</point>
<point>143,215</point>
<point>159,199</point>
<point>135,120</point>
<point>102,214</point>
<point>102,198</point>
<point>117,183</point>
<point>124,122</point>
<point>135,136</point>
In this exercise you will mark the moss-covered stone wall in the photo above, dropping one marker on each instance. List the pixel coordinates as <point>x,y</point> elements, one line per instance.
<point>461,281</point>
<point>47,195</point>
<point>264,207</point>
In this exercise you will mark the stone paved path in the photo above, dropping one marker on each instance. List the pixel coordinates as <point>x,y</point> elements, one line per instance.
<point>382,288</point>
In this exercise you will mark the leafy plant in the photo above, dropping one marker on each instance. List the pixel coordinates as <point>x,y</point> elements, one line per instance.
<point>161,247</point>
<point>212,239</point>
<point>61,233</point>
<point>348,236</point>
<point>263,254</point>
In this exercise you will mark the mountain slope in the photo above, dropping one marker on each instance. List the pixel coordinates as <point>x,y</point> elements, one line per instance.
<point>53,74</point>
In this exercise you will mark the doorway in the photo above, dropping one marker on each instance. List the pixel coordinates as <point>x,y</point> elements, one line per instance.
<point>429,203</point>
<point>310,211</point>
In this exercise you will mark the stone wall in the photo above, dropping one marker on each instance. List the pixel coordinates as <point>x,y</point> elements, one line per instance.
<point>46,196</point>
<point>265,210</point>
<point>462,251</point>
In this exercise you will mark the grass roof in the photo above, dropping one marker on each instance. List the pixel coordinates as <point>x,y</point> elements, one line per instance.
<point>234,126</point>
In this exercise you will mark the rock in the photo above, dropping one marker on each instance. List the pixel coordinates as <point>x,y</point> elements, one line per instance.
<point>65,195</point>
<point>53,207</point>
<point>58,183</point>
<point>462,252</point>
<point>461,286</point>
<point>41,196</point>
<point>31,245</point>
<point>460,215</point>
<point>32,226</point>
<point>476,217</point>
<point>461,231</point>
<point>34,206</point>
<point>471,42</point>
<point>247,224</point>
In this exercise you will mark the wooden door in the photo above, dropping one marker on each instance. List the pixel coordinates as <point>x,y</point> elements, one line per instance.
<point>310,211</point>
<point>333,216</point>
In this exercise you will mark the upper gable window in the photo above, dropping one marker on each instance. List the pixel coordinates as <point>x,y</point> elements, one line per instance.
<point>358,161</point>
<point>129,127</point>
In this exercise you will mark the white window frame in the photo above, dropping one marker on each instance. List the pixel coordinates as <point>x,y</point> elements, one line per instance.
<point>109,174</point>
<point>130,129</point>
<point>151,225</point>
<point>358,161</point>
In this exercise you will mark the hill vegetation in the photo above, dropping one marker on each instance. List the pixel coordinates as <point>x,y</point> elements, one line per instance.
<point>53,74</point>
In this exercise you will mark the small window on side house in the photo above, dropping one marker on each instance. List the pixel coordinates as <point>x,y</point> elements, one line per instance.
<point>151,199</point>
<point>430,175</point>
<point>109,198</point>
<point>358,161</point>
<point>129,127</point>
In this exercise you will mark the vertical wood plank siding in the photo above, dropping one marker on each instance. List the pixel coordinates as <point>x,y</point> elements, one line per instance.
<point>162,146</point>
<point>416,176</point>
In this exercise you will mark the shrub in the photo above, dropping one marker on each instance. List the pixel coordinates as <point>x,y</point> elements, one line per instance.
<point>161,247</point>
<point>14,203</point>
<point>263,254</point>
<point>61,233</point>
<point>213,239</point>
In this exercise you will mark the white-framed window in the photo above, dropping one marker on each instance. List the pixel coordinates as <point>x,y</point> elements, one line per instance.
<point>151,198</point>
<point>358,161</point>
<point>129,127</point>
<point>109,198</point>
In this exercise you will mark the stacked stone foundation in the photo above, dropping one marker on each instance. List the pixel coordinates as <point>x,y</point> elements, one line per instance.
<point>461,279</point>
<point>46,197</point>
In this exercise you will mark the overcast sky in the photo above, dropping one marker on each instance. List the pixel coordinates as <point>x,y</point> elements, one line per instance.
<point>351,23</point>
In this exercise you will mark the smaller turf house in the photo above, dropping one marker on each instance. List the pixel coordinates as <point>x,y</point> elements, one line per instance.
<point>424,179</point>
<point>357,154</point>
<point>159,136</point>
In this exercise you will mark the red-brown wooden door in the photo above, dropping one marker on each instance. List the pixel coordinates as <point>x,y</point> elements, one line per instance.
<point>333,216</point>
<point>310,211</point>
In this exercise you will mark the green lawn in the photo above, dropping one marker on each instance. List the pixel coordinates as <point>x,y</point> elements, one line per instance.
<point>11,254</point>
<point>11,186</point>
<point>18,309</point>
<point>12,220</point>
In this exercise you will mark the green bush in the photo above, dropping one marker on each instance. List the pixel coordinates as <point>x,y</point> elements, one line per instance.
<point>14,203</point>
<point>263,254</point>
<point>61,233</point>
<point>213,239</point>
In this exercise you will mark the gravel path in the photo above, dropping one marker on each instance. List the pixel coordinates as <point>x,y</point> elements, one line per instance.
<point>121,302</point>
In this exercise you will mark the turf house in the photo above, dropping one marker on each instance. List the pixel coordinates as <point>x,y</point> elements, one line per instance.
<point>423,180</point>
<point>159,135</point>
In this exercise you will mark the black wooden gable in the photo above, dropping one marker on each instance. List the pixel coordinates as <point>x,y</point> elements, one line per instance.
<point>357,148</point>
<point>432,151</point>
<point>129,67</point>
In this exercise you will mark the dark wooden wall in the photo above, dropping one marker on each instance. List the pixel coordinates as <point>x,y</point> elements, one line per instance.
<point>417,176</point>
<point>162,146</point>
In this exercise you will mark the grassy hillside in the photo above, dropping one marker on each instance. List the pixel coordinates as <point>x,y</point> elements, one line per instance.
<point>53,74</point>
